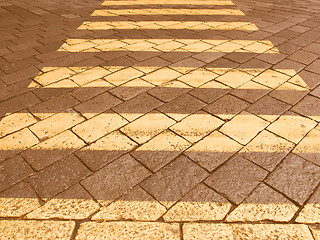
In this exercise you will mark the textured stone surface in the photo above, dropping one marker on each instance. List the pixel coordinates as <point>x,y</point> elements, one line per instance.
<point>309,147</point>
<point>18,200</point>
<point>174,180</point>
<point>128,230</point>
<point>311,211</point>
<point>267,150</point>
<point>200,204</point>
<point>160,150</point>
<point>213,150</point>
<point>74,203</point>
<point>236,179</point>
<point>204,231</point>
<point>134,205</point>
<point>295,177</point>
<point>264,204</point>
<point>22,229</point>
<point>115,179</point>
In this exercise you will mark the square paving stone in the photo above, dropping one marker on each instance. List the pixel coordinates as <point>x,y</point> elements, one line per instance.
<point>295,177</point>
<point>113,180</point>
<point>174,180</point>
<point>267,150</point>
<point>264,203</point>
<point>213,150</point>
<point>160,150</point>
<point>236,178</point>
<point>59,176</point>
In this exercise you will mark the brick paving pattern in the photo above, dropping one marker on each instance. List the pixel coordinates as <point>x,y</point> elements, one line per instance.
<point>160,119</point>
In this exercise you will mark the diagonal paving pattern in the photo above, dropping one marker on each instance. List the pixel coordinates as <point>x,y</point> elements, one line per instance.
<point>160,120</point>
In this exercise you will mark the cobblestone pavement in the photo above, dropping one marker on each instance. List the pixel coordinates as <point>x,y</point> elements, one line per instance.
<point>159,119</point>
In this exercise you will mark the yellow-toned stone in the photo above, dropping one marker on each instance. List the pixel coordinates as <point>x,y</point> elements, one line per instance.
<point>211,231</point>
<point>311,211</point>
<point>16,142</point>
<point>18,200</point>
<point>53,76</point>
<point>213,150</point>
<point>89,75</point>
<point>99,126</point>
<point>267,150</point>
<point>30,229</point>
<point>122,76</point>
<point>271,78</point>
<point>161,76</point>
<point>244,127</point>
<point>147,126</point>
<point>197,77</point>
<point>202,203</point>
<point>14,122</point>
<point>128,231</point>
<point>292,127</point>
<point>263,204</point>
<point>234,78</point>
<point>74,203</point>
<point>57,123</point>
<point>309,147</point>
<point>196,126</point>
<point>135,205</point>
<point>160,150</point>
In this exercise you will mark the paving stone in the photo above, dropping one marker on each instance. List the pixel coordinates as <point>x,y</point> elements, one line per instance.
<point>57,177</point>
<point>236,178</point>
<point>268,108</point>
<point>52,150</point>
<point>12,171</point>
<point>54,105</point>
<point>105,150</point>
<point>131,89</point>
<point>15,143</point>
<point>174,180</point>
<point>292,127</point>
<point>251,91</point>
<point>53,76</point>
<point>306,79</point>
<point>15,122</point>
<point>135,205</point>
<point>123,76</point>
<point>181,107</point>
<point>196,126</point>
<point>18,200</point>
<point>309,106</point>
<point>160,150</point>
<point>74,203</point>
<point>197,77</point>
<point>161,76</point>
<point>56,124</point>
<point>147,126</point>
<point>128,230</point>
<point>289,93</point>
<point>311,211</point>
<point>271,78</point>
<point>137,106</point>
<point>226,107</point>
<point>113,180</point>
<point>170,90</point>
<point>210,91</point>
<point>99,126</point>
<point>267,150</point>
<point>98,104</point>
<point>309,147</point>
<point>213,150</point>
<point>89,75</point>
<point>295,177</point>
<point>263,204</point>
<point>206,231</point>
<point>29,229</point>
<point>244,127</point>
<point>234,78</point>
<point>315,232</point>
<point>200,204</point>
